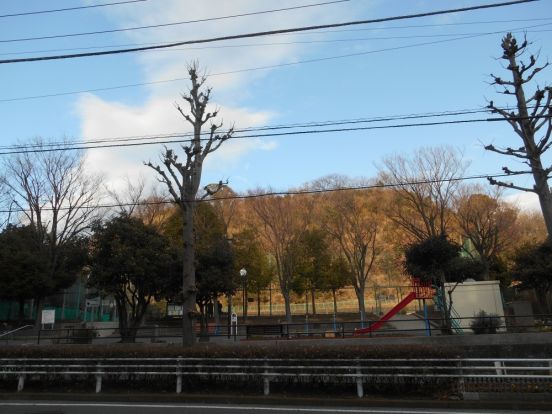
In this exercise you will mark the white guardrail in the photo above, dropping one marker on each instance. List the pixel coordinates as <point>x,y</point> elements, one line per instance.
<point>459,373</point>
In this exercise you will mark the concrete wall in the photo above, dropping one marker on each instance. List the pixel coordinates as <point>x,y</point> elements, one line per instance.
<point>469,298</point>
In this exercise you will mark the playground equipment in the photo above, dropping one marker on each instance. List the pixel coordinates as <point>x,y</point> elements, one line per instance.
<point>420,290</point>
<point>454,316</point>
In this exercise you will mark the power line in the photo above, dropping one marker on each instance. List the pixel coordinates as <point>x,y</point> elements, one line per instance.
<point>269,135</point>
<point>296,42</point>
<point>288,192</point>
<point>263,33</point>
<point>307,33</point>
<point>299,62</point>
<point>308,124</point>
<point>459,36</point>
<point>154,26</point>
<point>246,129</point>
<point>71,8</point>
<point>419,26</point>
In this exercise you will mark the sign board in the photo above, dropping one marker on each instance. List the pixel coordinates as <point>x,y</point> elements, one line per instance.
<point>48,316</point>
<point>90,303</point>
<point>174,310</point>
<point>234,318</point>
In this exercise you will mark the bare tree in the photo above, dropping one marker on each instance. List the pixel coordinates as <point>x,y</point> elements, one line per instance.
<point>283,219</point>
<point>182,180</point>
<point>532,115</point>
<point>151,209</point>
<point>352,220</point>
<point>226,205</point>
<point>55,196</point>
<point>487,221</point>
<point>131,197</point>
<point>6,205</point>
<point>425,186</point>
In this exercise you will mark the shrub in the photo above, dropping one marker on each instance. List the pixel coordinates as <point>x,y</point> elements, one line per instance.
<point>291,349</point>
<point>484,323</point>
<point>83,335</point>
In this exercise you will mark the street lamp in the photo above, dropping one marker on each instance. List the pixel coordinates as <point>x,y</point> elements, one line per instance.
<point>243,274</point>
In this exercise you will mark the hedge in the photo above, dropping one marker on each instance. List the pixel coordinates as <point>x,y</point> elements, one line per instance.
<point>299,350</point>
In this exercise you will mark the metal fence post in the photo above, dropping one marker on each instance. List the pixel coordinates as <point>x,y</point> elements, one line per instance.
<point>499,364</point>
<point>98,379</point>
<point>38,336</point>
<point>359,384</point>
<point>179,376</point>
<point>20,382</point>
<point>266,380</point>
<point>461,384</point>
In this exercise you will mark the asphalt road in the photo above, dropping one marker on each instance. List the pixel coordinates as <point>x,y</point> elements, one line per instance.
<point>52,407</point>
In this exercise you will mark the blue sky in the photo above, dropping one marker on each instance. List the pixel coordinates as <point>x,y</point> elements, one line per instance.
<point>450,75</point>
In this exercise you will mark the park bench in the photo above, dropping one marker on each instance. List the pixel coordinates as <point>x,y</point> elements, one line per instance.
<point>255,331</point>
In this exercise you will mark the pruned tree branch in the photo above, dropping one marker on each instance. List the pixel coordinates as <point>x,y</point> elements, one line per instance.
<point>526,122</point>
<point>492,181</point>
<point>519,152</point>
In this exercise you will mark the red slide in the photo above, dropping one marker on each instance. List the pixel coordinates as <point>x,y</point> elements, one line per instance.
<point>402,304</point>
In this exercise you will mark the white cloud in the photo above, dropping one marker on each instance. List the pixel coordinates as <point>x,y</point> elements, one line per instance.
<point>101,118</point>
<point>171,63</point>
<point>524,201</point>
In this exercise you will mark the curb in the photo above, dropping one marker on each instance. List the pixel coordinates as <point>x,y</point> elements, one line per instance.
<point>283,400</point>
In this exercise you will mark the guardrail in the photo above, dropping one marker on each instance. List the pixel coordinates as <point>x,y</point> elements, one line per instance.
<point>461,374</point>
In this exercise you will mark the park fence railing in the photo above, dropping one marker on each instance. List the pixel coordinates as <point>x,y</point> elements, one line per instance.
<point>454,375</point>
<point>402,325</point>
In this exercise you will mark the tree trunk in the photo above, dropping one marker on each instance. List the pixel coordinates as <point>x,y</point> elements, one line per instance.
<point>446,323</point>
<point>545,200</point>
<point>202,320</point>
<point>128,335</point>
<point>229,313</point>
<point>287,304</point>
<point>270,299</point>
<point>124,330</point>
<point>486,271</point>
<point>361,306</point>
<point>245,302</point>
<point>9,315</point>
<point>38,320</point>
<point>216,312</point>
<point>188,277</point>
<point>258,303</point>
<point>21,315</point>
<point>542,298</point>
<point>313,301</point>
<point>334,301</point>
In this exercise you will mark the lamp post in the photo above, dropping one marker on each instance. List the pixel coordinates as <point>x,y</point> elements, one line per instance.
<point>243,274</point>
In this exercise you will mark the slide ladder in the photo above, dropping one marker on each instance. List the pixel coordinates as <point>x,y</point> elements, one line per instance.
<point>454,316</point>
<point>421,290</point>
